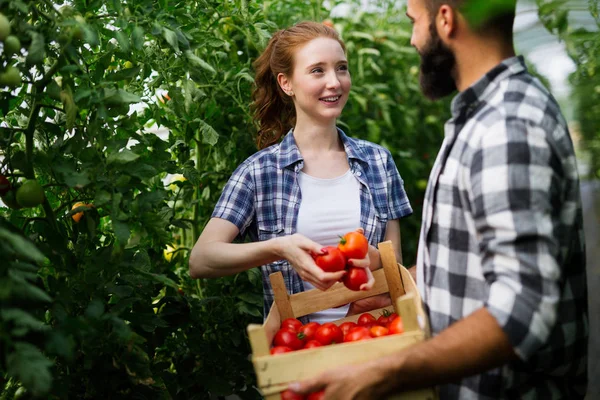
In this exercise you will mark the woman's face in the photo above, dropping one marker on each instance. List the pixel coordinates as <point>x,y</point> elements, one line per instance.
<point>320,81</point>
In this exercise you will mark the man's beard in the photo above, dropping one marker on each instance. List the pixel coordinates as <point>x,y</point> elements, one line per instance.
<point>437,64</point>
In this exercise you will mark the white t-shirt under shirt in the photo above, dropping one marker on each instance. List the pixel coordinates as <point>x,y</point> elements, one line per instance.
<point>329,209</point>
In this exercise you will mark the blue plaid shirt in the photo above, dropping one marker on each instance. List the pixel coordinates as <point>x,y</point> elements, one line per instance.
<point>262,197</point>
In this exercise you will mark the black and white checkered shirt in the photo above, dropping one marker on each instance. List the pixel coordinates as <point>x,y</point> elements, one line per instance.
<point>502,229</point>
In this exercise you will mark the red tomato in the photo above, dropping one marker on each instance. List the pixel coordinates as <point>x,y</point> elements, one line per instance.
<point>316,395</point>
<point>329,333</point>
<point>333,261</point>
<point>377,331</point>
<point>309,330</point>
<point>356,334</point>
<point>366,319</point>
<point>346,326</point>
<point>288,337</point>
<point>281,349</point>
<point>311,344</point>
<point>354,245</point>
<point>291,323</point>
<point>396,326</point>
<point>354,278</point>
<point>5,187</point>
<point>386,318</point>
<point>289,395</point>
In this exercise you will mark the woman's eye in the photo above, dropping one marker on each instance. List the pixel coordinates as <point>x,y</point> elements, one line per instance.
<point>316,70</point>
<point>343,68</point>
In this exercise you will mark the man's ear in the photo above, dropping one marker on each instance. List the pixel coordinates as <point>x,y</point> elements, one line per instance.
<point>284,83</point>
<point>446,22</point>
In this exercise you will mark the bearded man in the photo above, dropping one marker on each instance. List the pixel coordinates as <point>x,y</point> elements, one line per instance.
<point>501,261</point>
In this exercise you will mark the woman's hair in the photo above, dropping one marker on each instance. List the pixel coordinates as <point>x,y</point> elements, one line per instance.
<point>273,109</point>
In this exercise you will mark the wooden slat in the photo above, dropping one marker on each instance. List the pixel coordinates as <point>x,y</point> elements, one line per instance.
<point>272,323</point>
<point>258,340</point>
<point>282,299</point>
<point>391,269</point>
<point>317,300</point>
<point>406,308</point>
<point>303,364</point>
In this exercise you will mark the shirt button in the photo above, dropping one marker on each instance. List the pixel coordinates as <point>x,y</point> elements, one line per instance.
<point>359,173</point>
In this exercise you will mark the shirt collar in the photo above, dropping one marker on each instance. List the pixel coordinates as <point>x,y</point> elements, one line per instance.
<point>290,155</point>
<point>474,94</point>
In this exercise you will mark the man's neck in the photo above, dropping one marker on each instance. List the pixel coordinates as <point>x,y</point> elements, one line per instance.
<point>477,57</point>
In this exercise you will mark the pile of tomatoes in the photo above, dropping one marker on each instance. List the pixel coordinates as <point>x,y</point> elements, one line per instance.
<point>293,335</point>
<point>353,245</point>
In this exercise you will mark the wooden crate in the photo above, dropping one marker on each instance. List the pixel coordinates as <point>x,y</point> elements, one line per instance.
<point>274,373</point>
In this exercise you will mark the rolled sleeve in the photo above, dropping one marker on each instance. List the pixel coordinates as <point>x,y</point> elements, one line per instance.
<point>513,188</point>
<point>236,203</point>
<point>399,205</point>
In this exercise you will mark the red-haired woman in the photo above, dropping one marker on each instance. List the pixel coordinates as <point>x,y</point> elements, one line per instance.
<point>301,193</point>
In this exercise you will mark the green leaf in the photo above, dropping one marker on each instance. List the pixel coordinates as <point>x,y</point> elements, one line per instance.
<point>123,157</point>
<point>209,134</point>
<point>171,38</point>
<point>120,96</point>
<point>23,319</point>
<point>198,62</point>
<point>102,198</point>
<point>37,50</point>
<point>137,38</point>
<point>123,40</point>
<point>122,231</point>
<point>22,247</point>
<point>28,365</point>
<point>158,278</point>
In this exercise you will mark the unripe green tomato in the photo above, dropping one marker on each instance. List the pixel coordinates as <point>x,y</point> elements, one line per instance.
<point>30,194</point>
<point>9,199</point>
<point>12,45</point>
<point>11,77</point>
<point>4,27</point>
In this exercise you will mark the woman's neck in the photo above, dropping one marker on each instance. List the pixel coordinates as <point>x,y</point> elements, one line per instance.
<point>317,138</point>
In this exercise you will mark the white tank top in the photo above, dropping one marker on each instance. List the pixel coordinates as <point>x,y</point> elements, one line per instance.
<point>329,209</point>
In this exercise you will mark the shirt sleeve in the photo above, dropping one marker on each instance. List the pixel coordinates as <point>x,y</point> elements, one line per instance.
<point>398,203</point>
<point>236,203</point>
<point>514,186</point>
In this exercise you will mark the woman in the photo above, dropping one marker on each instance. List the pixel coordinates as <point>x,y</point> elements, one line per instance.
<point>302,193</point>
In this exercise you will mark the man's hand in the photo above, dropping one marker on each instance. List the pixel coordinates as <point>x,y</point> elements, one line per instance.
<point>369,303</point>
<point>357,382</point>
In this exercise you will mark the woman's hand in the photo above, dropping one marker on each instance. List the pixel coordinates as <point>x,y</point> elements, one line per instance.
<point>297,250</point>
<point>363,263</point>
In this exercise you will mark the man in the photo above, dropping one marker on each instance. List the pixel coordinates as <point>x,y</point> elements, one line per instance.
<point>501,256</point>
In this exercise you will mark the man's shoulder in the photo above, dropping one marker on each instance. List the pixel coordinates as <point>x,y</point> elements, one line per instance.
<point>524,97</point>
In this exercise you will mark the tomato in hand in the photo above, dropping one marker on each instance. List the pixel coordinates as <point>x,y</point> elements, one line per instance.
<point>332,261</point>
<point>289,395</point>
<point>366,319</point>
<point>346,326</point>
<point>396,326</point>
<point>354,245</point>
<point>385,318</point>
<point>309,330</point>
<point>355,277</point>
<point>311,344</point>
<point>356,334</point>
<point>281,349</point>
<point>291,323</point>
<point>378,331</point>
<point>320,395</point>
<point>288,337</point>
<point>329,333</point>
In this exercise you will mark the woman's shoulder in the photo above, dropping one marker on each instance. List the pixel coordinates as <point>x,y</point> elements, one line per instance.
<point>369,149</point>
<point>261,160</point>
